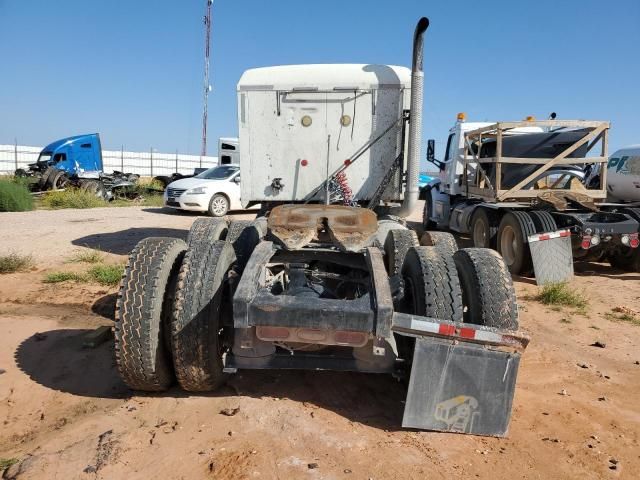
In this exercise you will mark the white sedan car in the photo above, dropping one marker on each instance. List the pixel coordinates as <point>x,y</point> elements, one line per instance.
<point>215,191</point>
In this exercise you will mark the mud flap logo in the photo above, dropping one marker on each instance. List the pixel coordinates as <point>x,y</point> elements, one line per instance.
<point>458,413</point>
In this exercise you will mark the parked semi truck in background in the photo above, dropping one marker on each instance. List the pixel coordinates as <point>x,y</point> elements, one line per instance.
<point>75,161</point>
<point>332,278</point>
<point>507,184</point>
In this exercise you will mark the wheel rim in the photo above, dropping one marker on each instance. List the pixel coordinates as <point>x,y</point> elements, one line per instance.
<point>479,234</point>
<point>218,206</point>
<point>60,182</point>
<point>509,245</point>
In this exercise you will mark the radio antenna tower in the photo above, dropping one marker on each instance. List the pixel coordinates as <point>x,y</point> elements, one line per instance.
<point>207,87</point>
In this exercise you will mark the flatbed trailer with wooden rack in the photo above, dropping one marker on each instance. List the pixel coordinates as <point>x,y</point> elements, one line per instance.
<point>511,184</point>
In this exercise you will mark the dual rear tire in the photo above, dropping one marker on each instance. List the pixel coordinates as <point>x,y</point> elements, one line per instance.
<point>170,317</point>
<point>473,286</point>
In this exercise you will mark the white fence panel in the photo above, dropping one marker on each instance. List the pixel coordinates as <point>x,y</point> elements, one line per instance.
<point>148,164</point>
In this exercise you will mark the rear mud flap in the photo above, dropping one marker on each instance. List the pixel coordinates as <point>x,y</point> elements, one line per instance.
<point>552,257</point>
<point>460,387</point>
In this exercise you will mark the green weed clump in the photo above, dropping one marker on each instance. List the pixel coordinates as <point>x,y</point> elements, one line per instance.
<point>108,275</point>
<point>72,198</point>
<point>14,196</point>
<point>59,277</point>
<point>624,314</point>
<point>561,294</point>
<point>7,462</point>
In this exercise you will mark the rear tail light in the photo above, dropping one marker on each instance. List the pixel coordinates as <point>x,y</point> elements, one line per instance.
<point>586,242</point>
<point>633,240</point>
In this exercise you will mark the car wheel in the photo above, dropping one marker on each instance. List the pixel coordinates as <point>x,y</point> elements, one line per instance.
<point>218,205</point>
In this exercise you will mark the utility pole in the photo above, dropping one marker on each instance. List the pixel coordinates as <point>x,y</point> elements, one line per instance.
<point>207,87</point>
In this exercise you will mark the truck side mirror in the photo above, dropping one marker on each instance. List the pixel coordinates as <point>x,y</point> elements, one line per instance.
<point>431,154</point>
<point>431,150</point>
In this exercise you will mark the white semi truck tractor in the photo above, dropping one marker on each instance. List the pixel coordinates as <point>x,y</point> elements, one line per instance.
<point>513,185</point>
<point>330,278</point>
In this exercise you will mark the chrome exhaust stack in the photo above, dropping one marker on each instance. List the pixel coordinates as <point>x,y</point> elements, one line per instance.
<point>415,121</point>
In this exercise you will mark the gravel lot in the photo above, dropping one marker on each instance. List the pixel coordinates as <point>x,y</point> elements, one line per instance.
<point>66,414</point>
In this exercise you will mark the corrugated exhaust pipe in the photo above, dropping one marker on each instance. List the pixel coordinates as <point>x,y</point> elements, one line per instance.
<point>412,193</point>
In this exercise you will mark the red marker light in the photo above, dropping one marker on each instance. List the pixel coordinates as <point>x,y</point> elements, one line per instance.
<point>347,162</point>
<point>304,163</point>
<point>633,240</point>
<point>586,242</point>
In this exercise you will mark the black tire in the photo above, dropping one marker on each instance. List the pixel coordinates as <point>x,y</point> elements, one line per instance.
<point>94,187</point>
<point>57,180</point>
<point>428,224</point>
<point>487,288</point>
<point>44,179</point>
<point>196,324</point>
<point>627,260</point>
<point>243,235</point>
<point>513,244</point>
<point>484,229</point>
<point>261,223</point>
<point>164,180</point>
<point>543,221</point>
<point>142,310</point>
<point>20,173</point>
<point>396,245</point>
<point>218,205</point>
<point>443,241</point>
<point>206,229</point>
<point>432,287</point>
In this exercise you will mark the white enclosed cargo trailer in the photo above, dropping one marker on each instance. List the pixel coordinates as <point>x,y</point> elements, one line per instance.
<point>300,124</point>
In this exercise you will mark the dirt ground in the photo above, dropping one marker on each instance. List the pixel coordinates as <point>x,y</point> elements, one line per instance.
<point>66,414</point>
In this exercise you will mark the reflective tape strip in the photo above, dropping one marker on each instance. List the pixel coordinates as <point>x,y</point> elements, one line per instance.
<point>449,330</point>
<point>548,236</point>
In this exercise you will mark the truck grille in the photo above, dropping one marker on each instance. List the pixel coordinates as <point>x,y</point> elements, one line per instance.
<point>175,192</point>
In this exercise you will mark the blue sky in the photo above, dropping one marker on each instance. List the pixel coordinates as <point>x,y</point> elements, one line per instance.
<point>132,70</point>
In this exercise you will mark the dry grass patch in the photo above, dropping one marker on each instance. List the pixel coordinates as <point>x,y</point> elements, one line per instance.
<point>14,262</point>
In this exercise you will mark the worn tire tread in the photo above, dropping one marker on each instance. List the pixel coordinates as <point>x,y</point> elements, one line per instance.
<point>436,279</point>
<point>140,352</point>
<point>487,288</point>
<point>195,322</point>
<point>207,229</point>
<point>396,245</point>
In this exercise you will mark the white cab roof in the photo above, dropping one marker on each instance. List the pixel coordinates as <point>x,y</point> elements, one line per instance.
<point>326,77</point>
<point>628,150</point>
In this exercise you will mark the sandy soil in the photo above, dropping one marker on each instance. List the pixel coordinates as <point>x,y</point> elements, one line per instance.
<point>66,414</point>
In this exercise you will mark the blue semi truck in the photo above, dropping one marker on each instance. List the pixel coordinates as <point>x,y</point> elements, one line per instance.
<point>75,162</point>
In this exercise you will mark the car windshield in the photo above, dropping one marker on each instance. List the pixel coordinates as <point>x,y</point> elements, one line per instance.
<point>218,173</point>
<point>44,157</point>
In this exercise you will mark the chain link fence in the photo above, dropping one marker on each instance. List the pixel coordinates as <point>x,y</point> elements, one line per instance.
<point>146,164</point>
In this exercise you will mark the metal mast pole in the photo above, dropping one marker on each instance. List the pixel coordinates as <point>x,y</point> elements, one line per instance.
<point>207,87</point>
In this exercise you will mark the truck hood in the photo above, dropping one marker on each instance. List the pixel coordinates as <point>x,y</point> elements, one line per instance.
<point>193,182</point>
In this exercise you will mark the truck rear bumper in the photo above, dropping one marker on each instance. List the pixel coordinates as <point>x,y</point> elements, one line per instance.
<point>462,376</point>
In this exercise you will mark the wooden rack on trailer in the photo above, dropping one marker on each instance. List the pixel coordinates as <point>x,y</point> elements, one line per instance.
<point>480,184</point>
